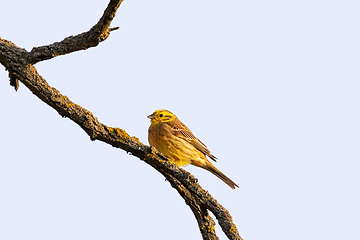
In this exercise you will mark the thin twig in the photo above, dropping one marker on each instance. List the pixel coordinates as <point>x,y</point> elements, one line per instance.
<point>98,33</point>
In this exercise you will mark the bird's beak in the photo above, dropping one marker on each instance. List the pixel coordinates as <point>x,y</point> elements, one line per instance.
<point>151,116</point>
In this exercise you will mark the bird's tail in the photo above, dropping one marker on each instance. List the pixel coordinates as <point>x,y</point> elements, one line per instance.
<point>220,175</point>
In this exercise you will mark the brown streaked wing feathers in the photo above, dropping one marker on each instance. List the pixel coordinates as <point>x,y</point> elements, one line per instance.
<point>180,130</point>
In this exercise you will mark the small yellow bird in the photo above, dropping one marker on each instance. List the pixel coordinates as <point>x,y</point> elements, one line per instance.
<point>177,143</point>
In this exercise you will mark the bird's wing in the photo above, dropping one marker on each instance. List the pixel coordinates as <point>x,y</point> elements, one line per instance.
<point>180,130</point>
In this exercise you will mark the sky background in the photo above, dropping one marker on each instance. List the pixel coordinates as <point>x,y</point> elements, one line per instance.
<point>271,87</point>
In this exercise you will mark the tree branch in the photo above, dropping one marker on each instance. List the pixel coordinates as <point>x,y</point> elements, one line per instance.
<point>19,63</point>
<point>98,33</point>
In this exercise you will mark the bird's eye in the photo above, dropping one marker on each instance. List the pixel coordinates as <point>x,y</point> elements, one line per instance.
<point>161,115</point>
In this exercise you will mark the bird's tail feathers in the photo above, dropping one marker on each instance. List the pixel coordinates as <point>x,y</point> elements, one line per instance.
<point>221,175</point>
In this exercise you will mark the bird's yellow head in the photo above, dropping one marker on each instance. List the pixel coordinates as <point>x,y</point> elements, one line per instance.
<point>160,116</point>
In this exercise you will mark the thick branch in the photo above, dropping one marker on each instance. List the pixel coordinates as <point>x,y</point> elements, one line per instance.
<point>205,222</point>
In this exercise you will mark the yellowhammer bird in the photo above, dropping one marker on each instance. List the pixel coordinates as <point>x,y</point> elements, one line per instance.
<point>177,143</point>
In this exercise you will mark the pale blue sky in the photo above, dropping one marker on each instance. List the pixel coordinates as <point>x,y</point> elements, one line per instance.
<point>271,87</point>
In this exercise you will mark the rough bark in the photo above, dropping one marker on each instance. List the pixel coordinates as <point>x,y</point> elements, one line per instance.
<point>20,65</point>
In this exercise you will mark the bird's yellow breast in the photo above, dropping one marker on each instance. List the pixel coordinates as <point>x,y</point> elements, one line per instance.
<point>177,150</point>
